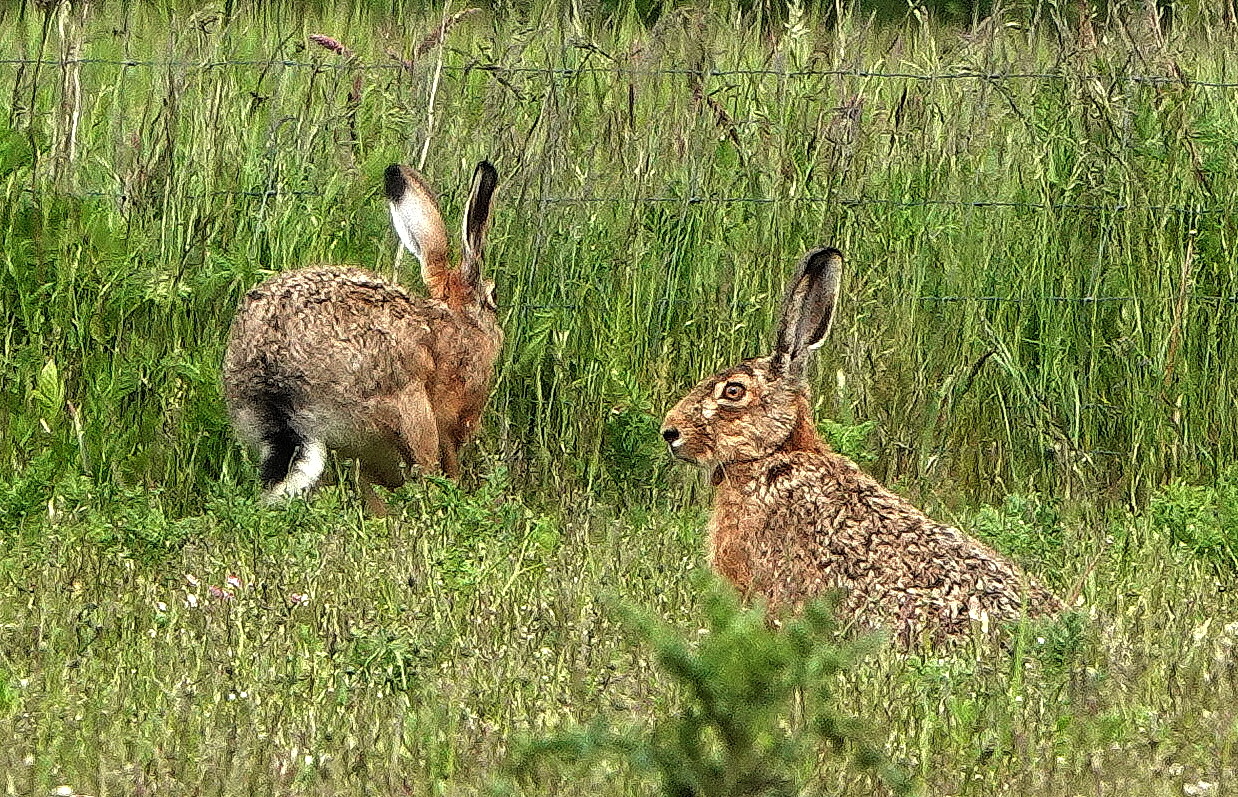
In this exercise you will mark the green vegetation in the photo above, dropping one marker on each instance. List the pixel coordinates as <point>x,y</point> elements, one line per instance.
<point>1037,341</point>
<point>733,737</point>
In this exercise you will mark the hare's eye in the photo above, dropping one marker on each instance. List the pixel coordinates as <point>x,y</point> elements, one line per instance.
<point>733,391</point>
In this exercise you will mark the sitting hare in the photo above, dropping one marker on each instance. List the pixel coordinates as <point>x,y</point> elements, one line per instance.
<point>332,358</point>
<point>793,520</point>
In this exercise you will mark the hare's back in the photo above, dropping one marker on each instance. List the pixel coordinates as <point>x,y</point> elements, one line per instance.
<point>831,526</point>
<point>333,333</point>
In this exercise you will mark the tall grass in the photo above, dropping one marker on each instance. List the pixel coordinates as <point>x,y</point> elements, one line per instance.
<point>1078,337</point>
<point>1039,314</point>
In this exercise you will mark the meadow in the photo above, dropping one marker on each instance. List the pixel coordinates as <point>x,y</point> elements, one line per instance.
<point>1037,341</point>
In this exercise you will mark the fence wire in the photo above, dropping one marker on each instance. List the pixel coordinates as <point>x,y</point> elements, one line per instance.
<point>1070,299</point>
<point>966,299</point>
<point>695,199</point>
<point>355,66</point>
<point>617,69</point>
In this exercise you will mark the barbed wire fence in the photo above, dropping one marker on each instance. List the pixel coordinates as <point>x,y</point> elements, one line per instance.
<point>619,69</point>
<point>354,66</point>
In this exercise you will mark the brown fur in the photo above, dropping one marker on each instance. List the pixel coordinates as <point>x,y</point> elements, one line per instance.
<point>338,358</point>
<point>793,520</point>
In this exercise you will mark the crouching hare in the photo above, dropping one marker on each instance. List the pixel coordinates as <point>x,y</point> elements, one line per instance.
<point>332,358</point>
<point>793,520</point>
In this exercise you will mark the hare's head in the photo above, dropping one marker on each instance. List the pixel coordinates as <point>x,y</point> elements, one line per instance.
<point>417,220</point>
<point>760,406</point>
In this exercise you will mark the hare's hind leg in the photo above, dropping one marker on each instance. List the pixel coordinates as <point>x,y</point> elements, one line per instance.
<point>375,506</point>
<point>303,470</point>
<point>407,423</point>
<point>379,466</point>
<point>276,454</point>
<point>290,462</point>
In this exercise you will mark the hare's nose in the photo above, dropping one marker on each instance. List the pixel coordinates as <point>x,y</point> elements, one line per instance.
<point>670,434</point>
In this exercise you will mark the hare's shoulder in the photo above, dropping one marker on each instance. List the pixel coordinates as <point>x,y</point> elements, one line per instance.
<point>829,498</point>
<point>818,482</point>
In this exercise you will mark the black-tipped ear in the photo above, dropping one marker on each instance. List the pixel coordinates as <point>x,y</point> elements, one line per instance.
<point>476,219</point>
<point>808,310</point>
<point>415,216</point>
<point>394,183</point>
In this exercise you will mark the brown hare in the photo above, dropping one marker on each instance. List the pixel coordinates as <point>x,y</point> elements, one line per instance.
<point>793,520</point>
<point>333,358</point>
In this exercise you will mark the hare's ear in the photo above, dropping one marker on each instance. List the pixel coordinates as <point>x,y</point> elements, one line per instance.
<point>415,215</point>
<point>808,310</point>
<point>476,218</point>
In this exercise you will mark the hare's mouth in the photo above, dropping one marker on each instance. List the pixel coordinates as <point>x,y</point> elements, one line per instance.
<point>681,450</point>
<point>685,447</point>
<point>676,448</point>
